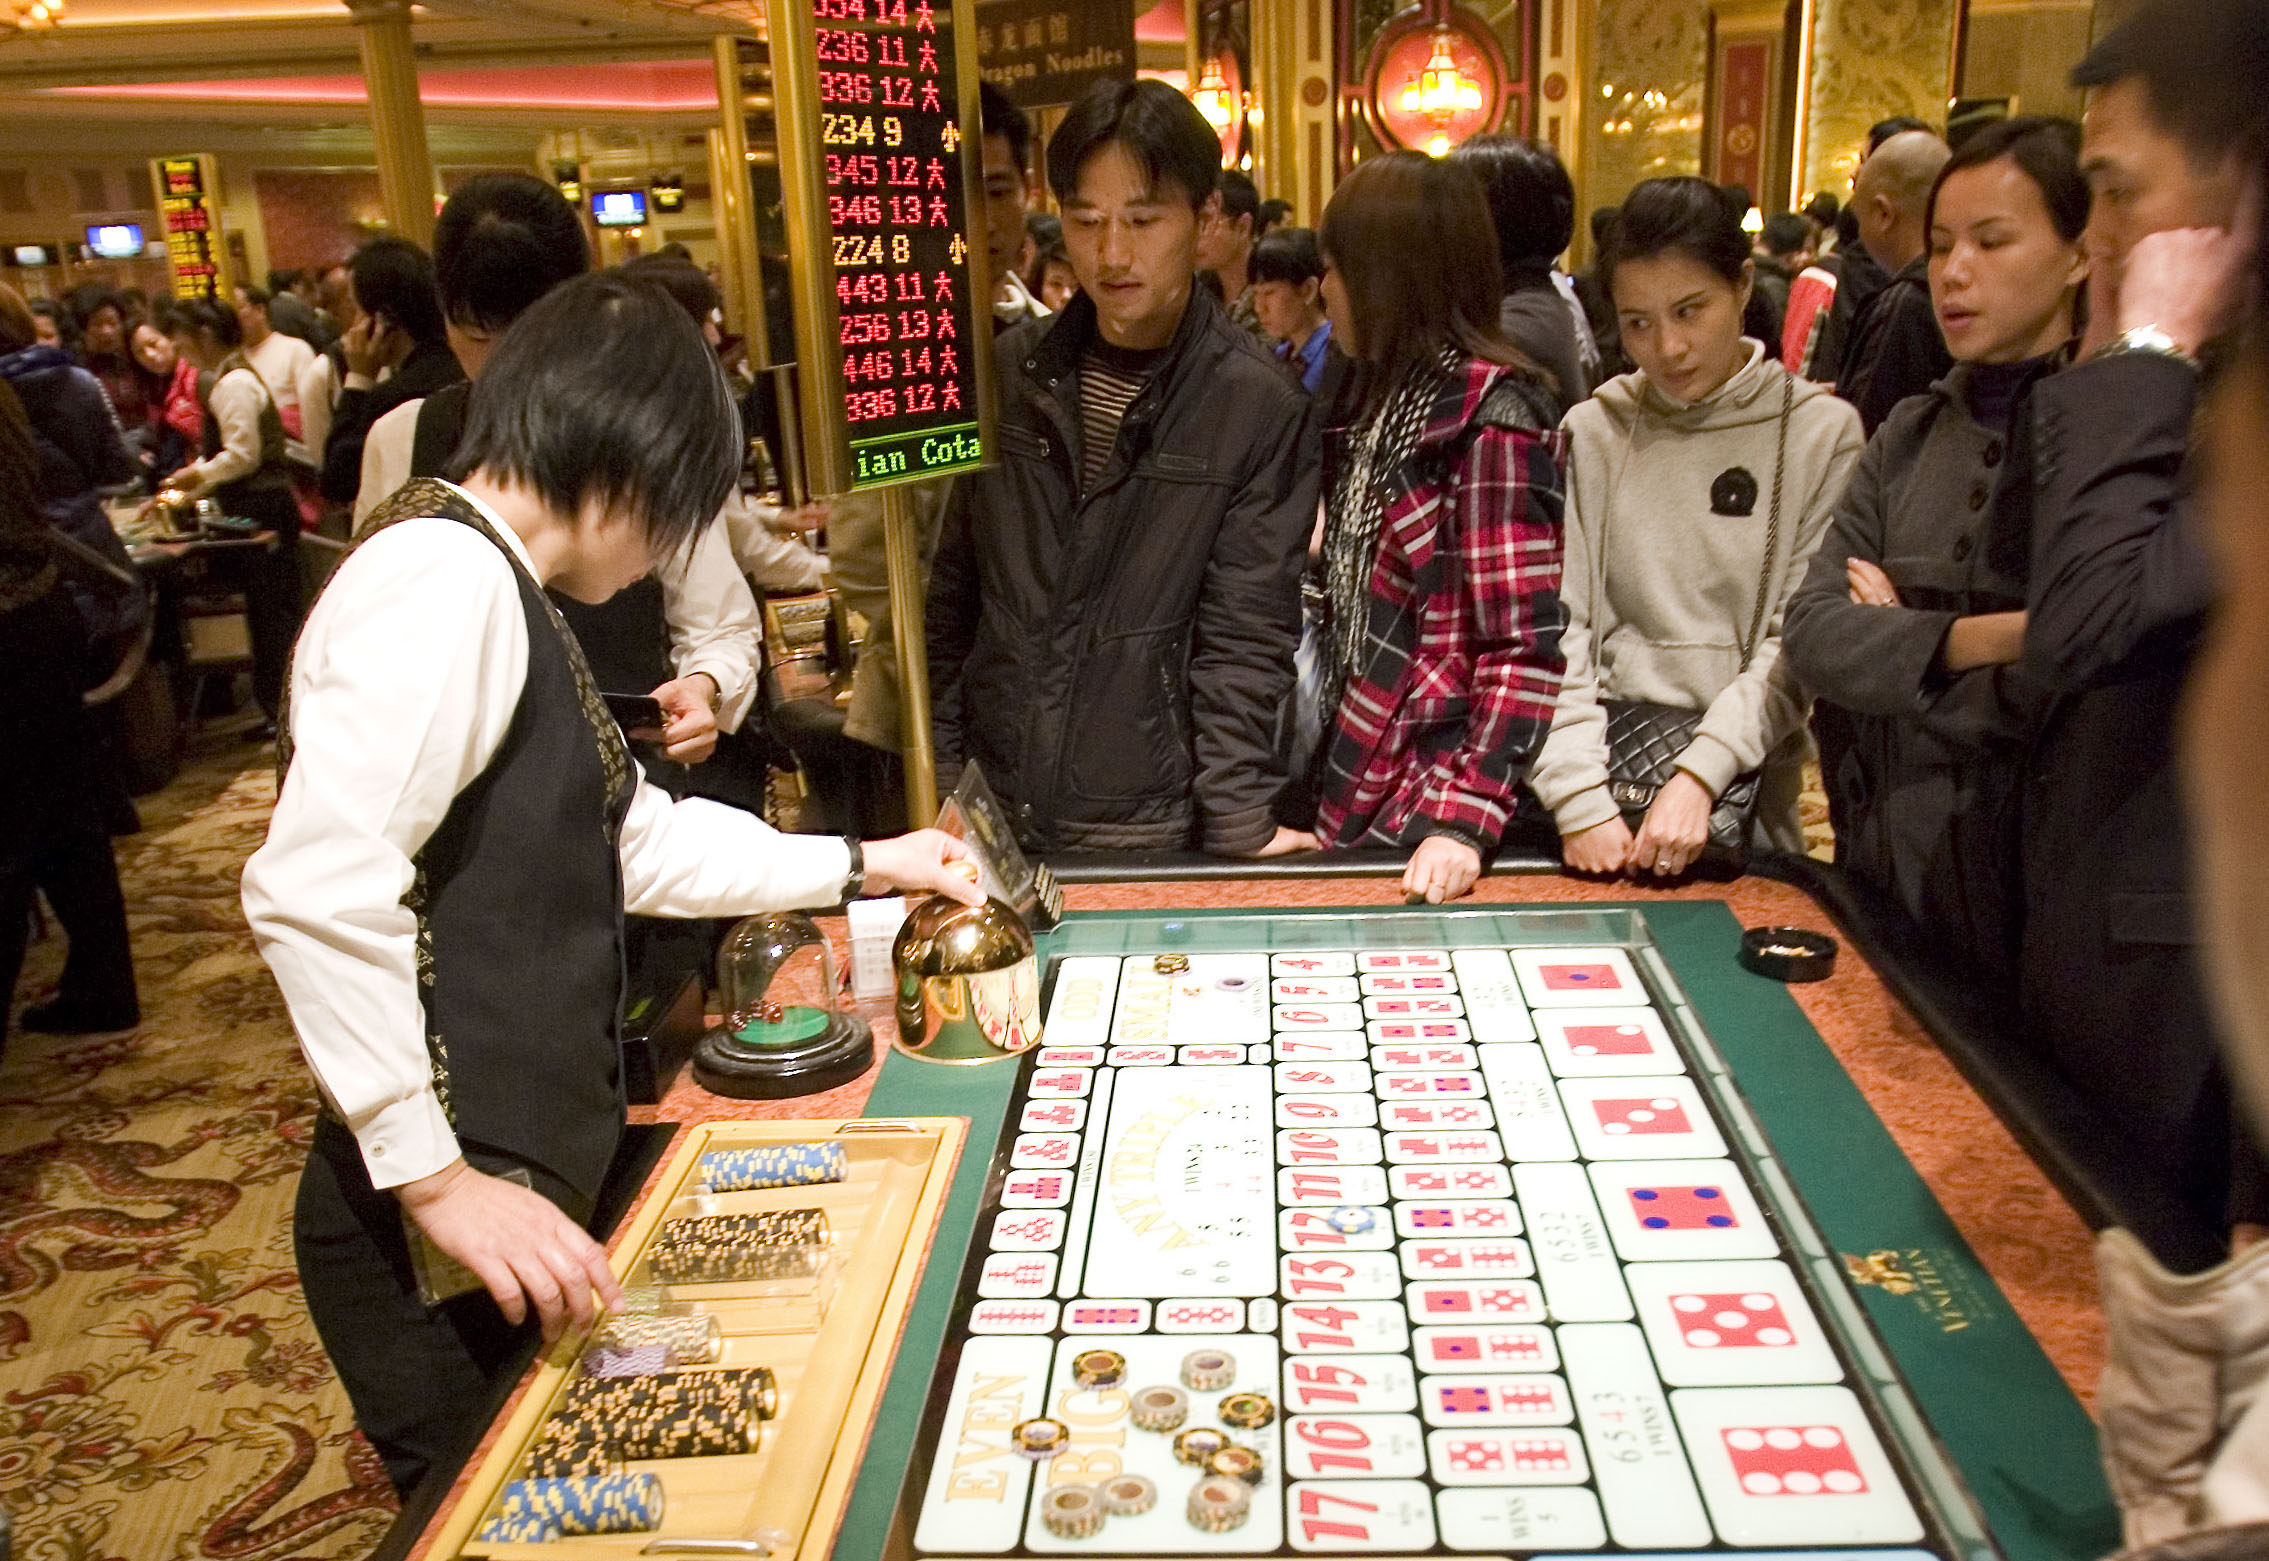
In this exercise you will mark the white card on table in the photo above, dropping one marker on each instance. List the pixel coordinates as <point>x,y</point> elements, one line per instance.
<point>1200,1316</point>
<point>1532,1399</point>
<point>1423,1057</point>
<point>1538,1455</point>
<point>1184,1206</point>
<point>1562,978</point>
<point>1343,1327</point>
<point>1418,1032</point>
<point>1017,1276</point>
<point>1071,1056</point>
<point>1431,1182</point>
<point>1028,1230</point>
<point>1317,1016</point>
<point>1323,1078</point>
<point>1352,1276</point>
<point>1433,1085</point>
<point>1345,1110</point>
<point>1013,1317</point>
<point>1402,961</point>
<point>1339,1516</point>
<point>1044,1151</point>
<point>1409,984</point>
<point>1349,1384</point>
<point>1574,1257</point>
<point>1059,1083</point>
<point>1521,1519</point>
<point>1354,1447</point>
<point>1314,989</point>
<point>1467,1257</point>
<point>1475,1300</point>
<point>1053,1116</point>
<point>1079,1009</point>
<point>1328,1146</point>
<point>1484,1347</point>
<point>1437,1113</point>
<point>1314,1185</point>
<point>1459,1217</point>
<point>1661,1117</point>
<point>1319,1046</point>
<point>976,1498</point>
<point>1492,995</point>
<point>1528,1109</point>
<point>1731,1324</point>
<point>1596,1042</point>
<point>1459,1146</point>
<point>1140,1056</point>
<point>1414,1007</point>
<point>1658,1210</point>
<point>1346,1228</point>
<point>1641,1466</point>
<point>1792,1466</point>
<point>1107,1316</point>
<point>1304,963</point>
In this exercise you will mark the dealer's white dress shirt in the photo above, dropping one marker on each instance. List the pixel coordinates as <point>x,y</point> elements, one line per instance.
<point>406,676</point>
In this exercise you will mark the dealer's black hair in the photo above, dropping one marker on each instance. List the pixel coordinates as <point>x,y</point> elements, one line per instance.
<point>1159,128</point>
<point>1821,209</point>
<point>999,117</point>
<point>2046,150</point>
<point>503,241</point>
<point>2203,65</point>
<point>1685,214</point>
<point>1287,255</point>
<point>1274,213</point>
<point>604,390</point>
<point>1531,199</point>
<point>1602,224</point>
<point>393,277</point>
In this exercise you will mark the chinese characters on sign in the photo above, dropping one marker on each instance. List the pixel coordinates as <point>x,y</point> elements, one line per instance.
<point>1044,53</point>
<point>186,202</point>
<point>894,224</point>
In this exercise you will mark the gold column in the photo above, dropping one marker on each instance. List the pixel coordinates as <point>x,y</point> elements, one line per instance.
<point>729,201</point>
<point>1864,61</point>
<point>1563,44</point>
<point>1275,84</point>
<point>397,119</point>
<point>902,556</point>
<point>1747,123</point>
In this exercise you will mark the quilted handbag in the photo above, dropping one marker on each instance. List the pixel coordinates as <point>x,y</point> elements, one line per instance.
<point>1644,740</point>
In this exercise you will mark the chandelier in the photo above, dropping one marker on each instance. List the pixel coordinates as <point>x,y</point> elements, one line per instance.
<point>1440,92</point>
<point>1213,98</point>
<point>31,14</point>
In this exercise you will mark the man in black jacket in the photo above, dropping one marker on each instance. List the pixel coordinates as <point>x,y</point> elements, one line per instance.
<point>1896,349</point>
<point>2119,597</point>
<point>1114,609</point>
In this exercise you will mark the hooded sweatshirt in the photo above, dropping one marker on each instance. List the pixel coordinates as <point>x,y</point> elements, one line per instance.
<point>1669,504</point>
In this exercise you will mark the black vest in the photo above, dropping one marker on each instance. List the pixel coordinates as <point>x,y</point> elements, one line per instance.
<point>626,638</point>
<point>518,897</point>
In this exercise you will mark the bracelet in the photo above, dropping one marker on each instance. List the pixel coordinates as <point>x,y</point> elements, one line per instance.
<point>855,881</point>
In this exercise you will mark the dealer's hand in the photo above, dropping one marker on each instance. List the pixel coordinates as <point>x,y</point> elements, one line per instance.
<point>1441,869</point>
<point>801,519</point>
<point>1677,827</point>
<point>517,1243</point>
<point>689,705</point>
<point>1603,848</point>
<point>922,861</point>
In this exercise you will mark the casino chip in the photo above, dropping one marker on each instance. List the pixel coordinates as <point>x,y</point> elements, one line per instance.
<point>1219,1504</point>
<point>1237,1463</point>
<point>1170,964</point>
<point>1129,1494</point>
<point>1209,1371</point>
<point>1040,1437</point>
<point>1247,1411</point>
<point>1350,1220</point>
<point>1199,1443</point>
<point>1072,1511</point>
<point>1099,1368</point>
<point>1159,1408</point>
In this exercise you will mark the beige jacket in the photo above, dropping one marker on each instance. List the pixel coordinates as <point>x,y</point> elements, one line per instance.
<point>1661,580</point>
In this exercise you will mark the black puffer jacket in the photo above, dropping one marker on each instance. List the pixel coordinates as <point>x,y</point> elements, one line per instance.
<point>1117,659</point>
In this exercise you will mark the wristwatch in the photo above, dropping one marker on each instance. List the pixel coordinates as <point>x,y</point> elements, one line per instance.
<point>855,881</point>
<point>2147,339</point>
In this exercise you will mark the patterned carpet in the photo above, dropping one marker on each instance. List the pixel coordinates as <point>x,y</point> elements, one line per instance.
<point>162,1394</point>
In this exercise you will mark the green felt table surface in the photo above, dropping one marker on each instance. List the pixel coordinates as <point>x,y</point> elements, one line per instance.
<point>2022,1443</point>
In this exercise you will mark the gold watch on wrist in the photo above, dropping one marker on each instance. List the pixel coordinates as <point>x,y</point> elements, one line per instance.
<point>2147,339</point>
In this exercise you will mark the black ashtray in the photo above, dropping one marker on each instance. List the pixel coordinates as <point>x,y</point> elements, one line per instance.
<point>1788,953</point>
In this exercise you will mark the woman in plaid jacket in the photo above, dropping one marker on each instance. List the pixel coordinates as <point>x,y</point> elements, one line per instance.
<point>1442,531</point>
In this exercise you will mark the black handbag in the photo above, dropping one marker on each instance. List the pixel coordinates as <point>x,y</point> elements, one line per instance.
<point>1644,739</point>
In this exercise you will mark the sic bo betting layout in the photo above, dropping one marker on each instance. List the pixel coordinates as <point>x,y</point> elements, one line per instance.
<point>1402,1251</point>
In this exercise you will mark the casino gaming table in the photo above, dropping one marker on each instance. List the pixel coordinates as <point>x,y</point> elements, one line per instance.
<point>1967,1254</point>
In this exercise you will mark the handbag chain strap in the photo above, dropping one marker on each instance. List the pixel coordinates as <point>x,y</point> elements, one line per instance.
<point>1772,526</point>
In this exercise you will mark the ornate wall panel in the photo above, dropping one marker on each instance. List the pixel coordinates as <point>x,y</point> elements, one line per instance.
<point>1869,60</point>
<point>1644,90</point>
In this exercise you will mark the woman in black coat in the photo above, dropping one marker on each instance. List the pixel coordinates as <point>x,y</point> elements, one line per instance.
<point>1910,624</point>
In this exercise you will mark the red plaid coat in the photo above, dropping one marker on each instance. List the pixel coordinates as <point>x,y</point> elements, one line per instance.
<point>1436,731</point>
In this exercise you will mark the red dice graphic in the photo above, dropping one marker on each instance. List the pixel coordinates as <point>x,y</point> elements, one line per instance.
<point>1662,1114</point>
<point>1477,1457</point>
<point>1609,1040</point>
<point>1540,1455</point>
<point>1579,978</point>
<point>1683,1208</point>
<point>1466,1401</point>
<point>1793,1461</point>
<point>1731,1320</point>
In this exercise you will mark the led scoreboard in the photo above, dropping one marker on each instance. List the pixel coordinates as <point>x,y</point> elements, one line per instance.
<point>893,321</point>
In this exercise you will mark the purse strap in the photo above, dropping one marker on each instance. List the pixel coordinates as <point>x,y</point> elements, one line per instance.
<point>1772,526</point>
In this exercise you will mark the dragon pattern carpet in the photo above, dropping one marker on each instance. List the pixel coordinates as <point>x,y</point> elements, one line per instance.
<point>162,1393</point>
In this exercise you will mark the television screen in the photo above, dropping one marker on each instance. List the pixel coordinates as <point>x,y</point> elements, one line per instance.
<point>116,240</point>
<point>34,255</point>
<point>618,208</point>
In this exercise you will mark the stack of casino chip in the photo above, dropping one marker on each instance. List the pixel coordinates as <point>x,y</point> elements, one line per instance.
<point>526,1528</point>
<point>715,1248</point>
<point>601,1504</point>
<point>775,1165</point>
<point>566,1447</point>
<point>673,1414</point>
<point>688,1337</point>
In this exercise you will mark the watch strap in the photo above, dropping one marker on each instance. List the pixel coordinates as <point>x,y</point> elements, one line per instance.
<point>855,881</point>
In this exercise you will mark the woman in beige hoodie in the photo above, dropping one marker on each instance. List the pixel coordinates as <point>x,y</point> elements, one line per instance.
<point>1672,476</point>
